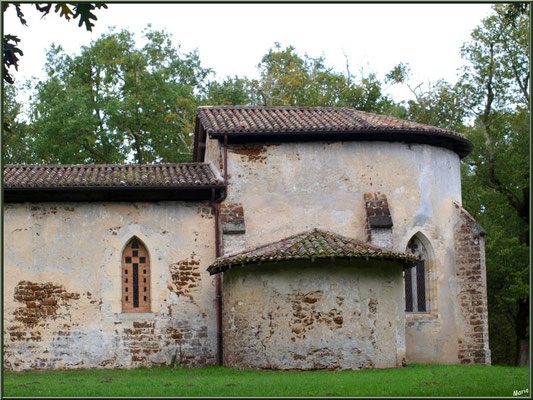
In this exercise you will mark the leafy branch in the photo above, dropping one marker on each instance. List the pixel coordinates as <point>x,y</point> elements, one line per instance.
<point>83,11</point>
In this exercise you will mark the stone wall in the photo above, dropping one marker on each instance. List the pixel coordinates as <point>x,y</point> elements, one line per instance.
<point>470,271</point>
<point>321,315</point>
<point>288,188</point>
<point>62,285</point>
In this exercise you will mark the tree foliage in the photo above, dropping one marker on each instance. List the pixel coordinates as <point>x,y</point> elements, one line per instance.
<point>114,101</point>
<point>231,91</point>
<point>288,79</point>
<point>440,104</point>
<point>496,87</point>
<point>490,103</point>
<point>15,139</point>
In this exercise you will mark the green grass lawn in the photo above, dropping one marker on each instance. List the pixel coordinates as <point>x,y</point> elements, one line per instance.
<point>414,380</point>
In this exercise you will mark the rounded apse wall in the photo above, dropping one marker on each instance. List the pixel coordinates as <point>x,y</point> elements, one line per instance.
<point>320,315</point>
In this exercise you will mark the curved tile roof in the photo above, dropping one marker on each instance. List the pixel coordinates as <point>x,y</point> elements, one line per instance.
<point>310,245</point>
<point>109,176</point>
<point>255,121</point>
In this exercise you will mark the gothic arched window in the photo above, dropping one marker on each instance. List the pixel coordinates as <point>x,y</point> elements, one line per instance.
<point>416,278</point>
<point>135,277</point>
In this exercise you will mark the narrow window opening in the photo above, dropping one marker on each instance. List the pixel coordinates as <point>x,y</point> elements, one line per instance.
<point>415,278</point>
<point>134,301</point>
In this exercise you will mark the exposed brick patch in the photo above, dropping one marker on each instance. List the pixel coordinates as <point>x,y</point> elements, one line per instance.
<point>232,218</point>
<point>306,313</point>
<point>188,344</point>
<point>207,212</point>
<point>141,341</point>
<point>372,306</point>
<point>185,276</point>
<point>251,152</point>
<point>40,333</point>
<point>377,211</point>
<point>472,292</point>
<point>18,333</point>
<point>41,302</point>
<point>372,319</point>
<point>158,343</point>
<point>378,222</point>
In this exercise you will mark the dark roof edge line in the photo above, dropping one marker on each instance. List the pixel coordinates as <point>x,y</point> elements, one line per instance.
<point>94,188</point>
<point>462,147</point>
<point>193,163</point>
<point>223,268</point>
<point>307,132</point>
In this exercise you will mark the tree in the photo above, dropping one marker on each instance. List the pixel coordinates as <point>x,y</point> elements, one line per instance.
<point>231,91</point>
<point>490,103</point>
<point>15,139</point>
<point>287,79</point>
<point>497,84</point>
<point>115,101</point>
<point>83,11</point>
<point>440,104</point>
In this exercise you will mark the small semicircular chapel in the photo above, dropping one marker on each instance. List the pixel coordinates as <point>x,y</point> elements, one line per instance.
<point>299,238</point>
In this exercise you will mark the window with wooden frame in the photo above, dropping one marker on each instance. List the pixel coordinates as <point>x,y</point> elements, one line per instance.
<point>135,277</point>
<point>416,279</point>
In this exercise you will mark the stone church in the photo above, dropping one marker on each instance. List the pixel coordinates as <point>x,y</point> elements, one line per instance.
<point>299,238</point>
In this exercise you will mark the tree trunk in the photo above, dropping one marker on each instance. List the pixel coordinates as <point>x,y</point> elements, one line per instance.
<point>522,333</point>
<point>137,147</point>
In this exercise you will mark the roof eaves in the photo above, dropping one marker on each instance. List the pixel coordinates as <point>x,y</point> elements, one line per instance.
<point>458,143</point>
<point>67,187</point>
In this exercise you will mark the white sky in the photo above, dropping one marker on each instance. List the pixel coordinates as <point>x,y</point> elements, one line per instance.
<point>232,38</point>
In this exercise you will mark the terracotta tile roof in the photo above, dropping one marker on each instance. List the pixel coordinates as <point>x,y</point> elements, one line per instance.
<point>310,245</point>
<point>109,176</point>
<point>244,119</point>
<point>254,121</point>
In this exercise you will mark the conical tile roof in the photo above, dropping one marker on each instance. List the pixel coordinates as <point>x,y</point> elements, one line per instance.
<point>311,245</point>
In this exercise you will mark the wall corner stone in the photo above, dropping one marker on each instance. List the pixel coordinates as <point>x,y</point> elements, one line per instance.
<point>470,273</point>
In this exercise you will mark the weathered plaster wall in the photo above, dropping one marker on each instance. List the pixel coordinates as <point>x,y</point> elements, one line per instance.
<point>322,315</point>
<point>291,187</point>
<point>288,188</point>
<point>62,285</point>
